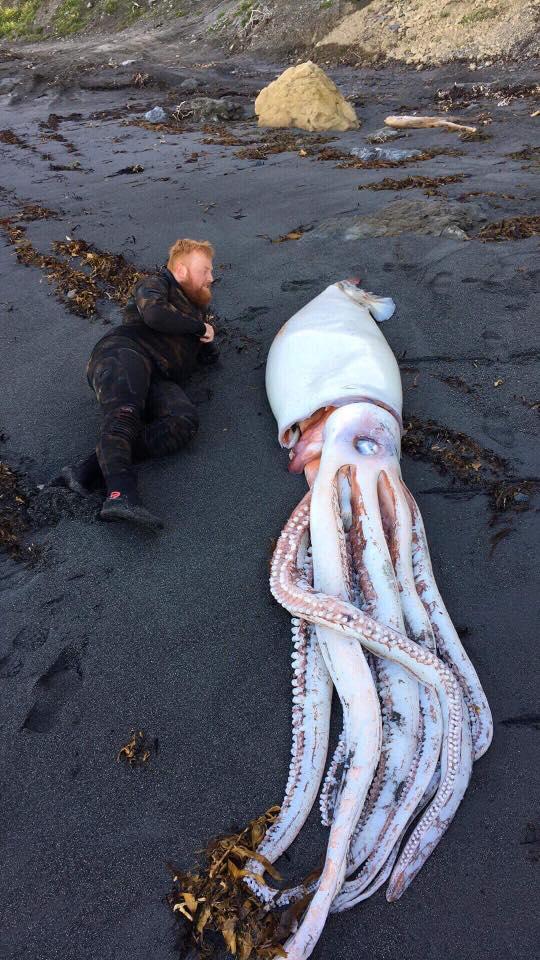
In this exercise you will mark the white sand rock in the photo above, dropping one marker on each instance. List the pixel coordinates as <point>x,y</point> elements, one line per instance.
<point>303,96</point>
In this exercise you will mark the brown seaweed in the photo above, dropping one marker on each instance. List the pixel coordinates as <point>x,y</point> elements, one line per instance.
<point>513,228</point>
<point>429,184</point>
<point>214,903</point>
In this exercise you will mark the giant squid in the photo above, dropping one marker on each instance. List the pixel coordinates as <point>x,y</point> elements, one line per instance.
<point>352,566</point>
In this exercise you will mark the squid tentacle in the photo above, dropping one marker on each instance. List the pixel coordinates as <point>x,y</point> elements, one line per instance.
<point>295,594</point>
<point>312,698</point>
<point>362,722</point>
<point>448,643</point>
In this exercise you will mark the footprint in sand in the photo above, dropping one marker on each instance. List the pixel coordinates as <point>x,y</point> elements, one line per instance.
<point>53,689</point>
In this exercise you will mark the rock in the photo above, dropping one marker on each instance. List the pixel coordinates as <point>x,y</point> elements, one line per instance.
<point>7,84</point>
<point>190,85</point>
<point>206,108</point>
<point>156,115</point>
<point>303,96</point>
<point>386,133</point>
<point>384,153</point>
<point>432,217</point>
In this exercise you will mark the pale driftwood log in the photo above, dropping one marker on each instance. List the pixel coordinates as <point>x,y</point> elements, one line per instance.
<point>406,121</point>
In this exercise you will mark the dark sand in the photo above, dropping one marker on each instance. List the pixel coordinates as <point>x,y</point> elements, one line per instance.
<point>177,634</point>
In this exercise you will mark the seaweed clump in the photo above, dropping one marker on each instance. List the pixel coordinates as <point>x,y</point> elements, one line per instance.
<point>459,456</point>
<point>514,228</point>
<point>430,185</point>
<point>215,907</point>
<point>138,749</point>
<point>104,275</point>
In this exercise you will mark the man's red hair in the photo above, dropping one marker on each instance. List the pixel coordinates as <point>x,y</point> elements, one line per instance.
<point>181,248</point>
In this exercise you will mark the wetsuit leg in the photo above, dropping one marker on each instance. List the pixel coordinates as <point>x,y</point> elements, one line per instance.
<point>120,377</point>
<point>172,421</point>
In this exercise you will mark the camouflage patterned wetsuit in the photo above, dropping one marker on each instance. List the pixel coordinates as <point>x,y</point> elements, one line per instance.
<point>137,372</point>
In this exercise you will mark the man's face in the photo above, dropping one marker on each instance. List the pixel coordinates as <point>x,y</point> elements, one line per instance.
<point>194,273</point>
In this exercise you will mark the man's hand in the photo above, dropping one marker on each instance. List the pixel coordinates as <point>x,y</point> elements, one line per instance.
<point>209,334</point>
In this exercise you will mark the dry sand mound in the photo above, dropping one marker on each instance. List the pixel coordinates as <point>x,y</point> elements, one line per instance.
<point>303,96</point>
<point>427,32</point>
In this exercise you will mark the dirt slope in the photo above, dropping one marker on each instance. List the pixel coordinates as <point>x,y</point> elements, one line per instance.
<point>356,31</point>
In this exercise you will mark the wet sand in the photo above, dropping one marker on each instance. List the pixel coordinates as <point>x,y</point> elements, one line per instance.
<point>177,635</point>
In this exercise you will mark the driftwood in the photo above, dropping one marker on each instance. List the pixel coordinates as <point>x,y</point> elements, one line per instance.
<point>406,121</point>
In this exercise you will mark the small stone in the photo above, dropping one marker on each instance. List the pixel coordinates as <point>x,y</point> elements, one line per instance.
<point>190,84</point>
<point>156,115</point>
<point>71,294</point>
<point>520,497</point>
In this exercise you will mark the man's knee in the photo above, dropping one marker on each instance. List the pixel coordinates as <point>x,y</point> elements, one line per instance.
<point>183,427</point>
<point>122,422</point>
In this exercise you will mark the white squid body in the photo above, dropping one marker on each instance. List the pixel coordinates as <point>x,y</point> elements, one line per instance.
<point>352,566</point>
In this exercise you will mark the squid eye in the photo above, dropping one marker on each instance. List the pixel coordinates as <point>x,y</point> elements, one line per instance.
<point>366,446</point>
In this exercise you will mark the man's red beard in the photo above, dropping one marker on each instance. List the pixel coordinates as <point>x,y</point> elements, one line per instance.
<point>200,296</point>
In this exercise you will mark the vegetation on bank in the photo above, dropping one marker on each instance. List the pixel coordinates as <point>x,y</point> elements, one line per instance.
<point>20,19</point>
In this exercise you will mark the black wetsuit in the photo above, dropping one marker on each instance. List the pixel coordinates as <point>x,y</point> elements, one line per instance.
<point>137,372</point>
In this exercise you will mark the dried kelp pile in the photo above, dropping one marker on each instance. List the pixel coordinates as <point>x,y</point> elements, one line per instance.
<point>215,907</point>
<point>514,228</point>
<point>103,275</point>
<point>430,185</point>
<point>13,512</point>
<point>459,456</point>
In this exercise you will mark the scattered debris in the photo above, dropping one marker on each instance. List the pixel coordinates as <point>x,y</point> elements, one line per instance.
<point>13,514</point>
<point>274,143</point>
<point>134,168</point>
<point>7,136</point>
<point>456,382</point>
<point>369,154</point>
<point>156,115</point>
<point>292,235</point>
<point>462,458</point>
<point>528,153</point>
<point>404,122</point>
<point>530,404</point>
<point>385,134</point>
<point>207,108</point>
<point>429,184</point>
<point>304,96</point>
<point>461,95</point>
<point>497,537</point>
<point>346,161</point>
<point>138,750</point>
<point>486,193</point>
<point>514,228</point>
<point>215,899</point>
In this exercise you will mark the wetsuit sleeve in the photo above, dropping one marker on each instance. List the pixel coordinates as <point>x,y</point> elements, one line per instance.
<point>151,297</point>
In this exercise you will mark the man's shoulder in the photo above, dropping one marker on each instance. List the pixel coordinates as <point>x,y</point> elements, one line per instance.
<point>152,284</point>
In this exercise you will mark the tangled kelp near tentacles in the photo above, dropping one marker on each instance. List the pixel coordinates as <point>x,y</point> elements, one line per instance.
<point>104,275</point>
<point>459,456</point>
<point>214,906</point>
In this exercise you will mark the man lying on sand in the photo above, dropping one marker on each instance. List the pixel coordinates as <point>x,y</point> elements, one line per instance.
<point>137,372</point>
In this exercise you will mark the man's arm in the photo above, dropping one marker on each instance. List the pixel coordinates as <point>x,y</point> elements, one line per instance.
<point>151,297</point>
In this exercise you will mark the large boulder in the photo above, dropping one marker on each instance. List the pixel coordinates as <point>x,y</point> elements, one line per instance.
<point>303,96</point>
